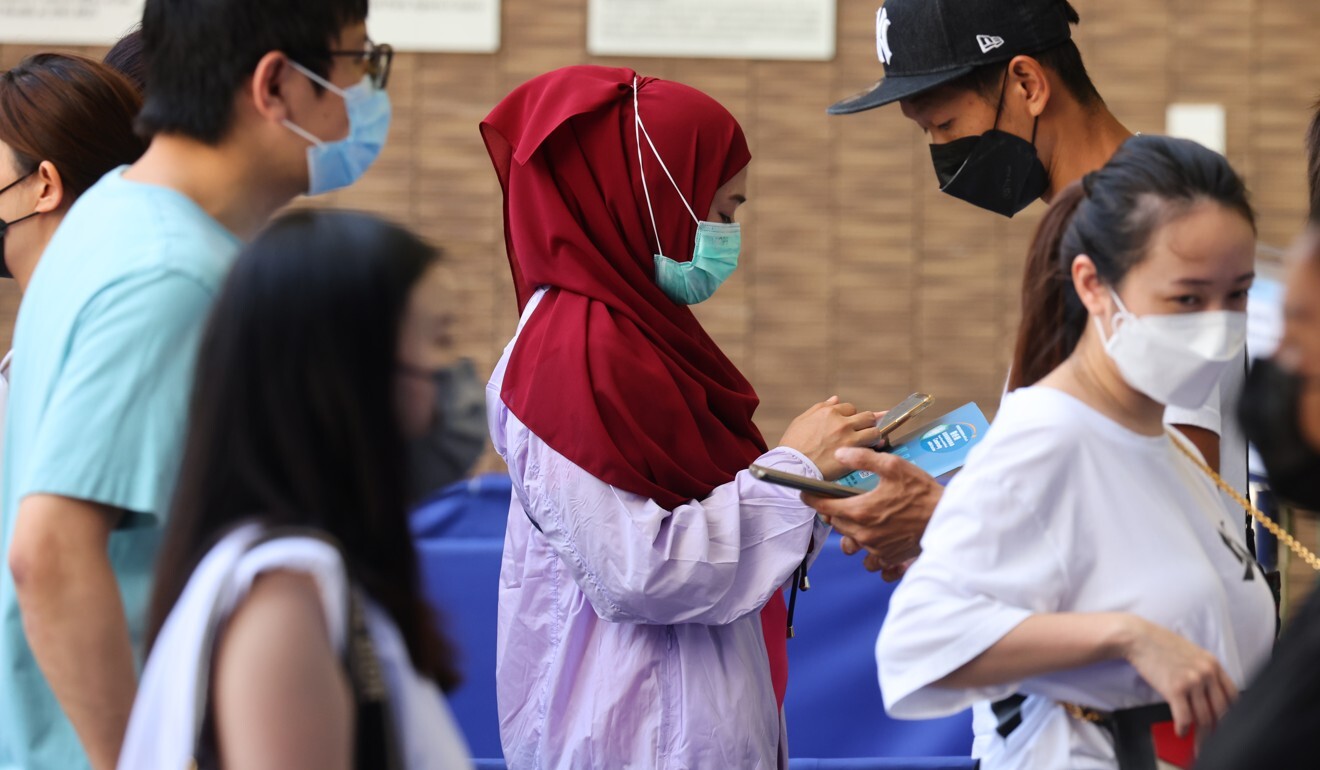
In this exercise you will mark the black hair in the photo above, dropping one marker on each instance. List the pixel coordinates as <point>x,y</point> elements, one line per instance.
<point>1111,216</point>
<point>127,59</point>
<point>1064,60</point>
<point>293,418</point>
<point>200,53</point>
<point>1313,164</point>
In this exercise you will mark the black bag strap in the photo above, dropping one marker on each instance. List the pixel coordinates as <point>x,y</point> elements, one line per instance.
<point>375,746</point>
<point>1134,747</point>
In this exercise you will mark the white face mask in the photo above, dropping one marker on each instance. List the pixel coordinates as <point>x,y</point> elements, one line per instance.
<point>1176,360</point>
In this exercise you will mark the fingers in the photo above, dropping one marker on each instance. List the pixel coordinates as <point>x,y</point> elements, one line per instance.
<point>867,437</point>
<point>1219,698</point>
<point>1181,714</point>
<point>1228,685</point>
<point>1223,692</point>
<point>859,458</point>
<point>1199,701</point>
<point>891,466</point>
<point>874,563</point>
<point>827,507</point>
<point>893,574</point>
<point>849,546</point>
<point>860,420</point>
<point>1209,694</point>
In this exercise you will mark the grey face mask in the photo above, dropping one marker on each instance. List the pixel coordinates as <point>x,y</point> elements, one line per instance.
<point>452,448</point>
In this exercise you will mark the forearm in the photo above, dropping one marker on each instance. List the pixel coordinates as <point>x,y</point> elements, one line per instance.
<point>710,561</point>
<point>1046,643</point>
<point>74,618</point>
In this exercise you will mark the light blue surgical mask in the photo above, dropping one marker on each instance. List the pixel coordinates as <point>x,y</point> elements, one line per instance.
<point>338,164</point>
<point>715,252</point>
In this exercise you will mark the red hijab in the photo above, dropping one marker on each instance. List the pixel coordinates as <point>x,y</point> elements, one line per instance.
<point>608,371</point>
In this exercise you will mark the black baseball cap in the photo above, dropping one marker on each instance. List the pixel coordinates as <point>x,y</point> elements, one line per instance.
<point>927,43</point>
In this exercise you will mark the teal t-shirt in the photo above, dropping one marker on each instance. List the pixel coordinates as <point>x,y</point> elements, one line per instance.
<point>104,351</point>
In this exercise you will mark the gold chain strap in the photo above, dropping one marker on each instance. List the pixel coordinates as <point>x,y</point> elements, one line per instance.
<point>1082,713</point>
<point>1279,532</point>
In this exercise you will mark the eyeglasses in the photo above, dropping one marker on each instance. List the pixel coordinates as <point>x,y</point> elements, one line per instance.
<point>376,59</point>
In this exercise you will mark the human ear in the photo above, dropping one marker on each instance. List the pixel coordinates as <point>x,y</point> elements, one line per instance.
<point>269,86</point>
<point>51,192</point>
<point>1029,80</point>
<point>1093,293</point>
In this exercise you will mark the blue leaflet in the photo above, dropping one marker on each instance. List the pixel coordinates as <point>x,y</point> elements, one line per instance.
<point>938,448</point>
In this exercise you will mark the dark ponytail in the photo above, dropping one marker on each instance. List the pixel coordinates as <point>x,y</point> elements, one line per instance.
<point>1045,338</point>
<point>1110,217</point>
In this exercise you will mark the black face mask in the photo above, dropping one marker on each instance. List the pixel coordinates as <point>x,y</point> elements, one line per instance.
<point>1270,412</point>
<point>458,437</point>
<point>996,171</point>
<point>4,228</point>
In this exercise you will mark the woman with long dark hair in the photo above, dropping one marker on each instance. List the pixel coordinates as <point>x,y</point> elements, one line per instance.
<point>1085,564</point>
<point>287,574</point>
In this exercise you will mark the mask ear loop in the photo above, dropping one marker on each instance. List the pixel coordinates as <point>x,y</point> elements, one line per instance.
<point>1003,89</point>
<point>637,134</point>
<point>1118,320</point>
<point>661,161</point>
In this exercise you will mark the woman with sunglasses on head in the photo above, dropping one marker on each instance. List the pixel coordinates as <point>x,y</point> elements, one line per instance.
<point>1085,565</point>
<point>641,623</point>
<point>288,627</point>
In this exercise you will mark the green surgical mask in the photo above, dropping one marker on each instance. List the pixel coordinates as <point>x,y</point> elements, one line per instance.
<point>714,254</point>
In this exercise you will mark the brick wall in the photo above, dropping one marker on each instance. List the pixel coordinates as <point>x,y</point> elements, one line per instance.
<point>859,278</point>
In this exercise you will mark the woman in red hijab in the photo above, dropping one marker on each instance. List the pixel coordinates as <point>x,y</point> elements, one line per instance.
<point>641,618</point>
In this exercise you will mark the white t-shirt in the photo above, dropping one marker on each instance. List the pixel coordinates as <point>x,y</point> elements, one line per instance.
<point>1219,416</point>
<point>1060,509</point>
<point>161,728</point>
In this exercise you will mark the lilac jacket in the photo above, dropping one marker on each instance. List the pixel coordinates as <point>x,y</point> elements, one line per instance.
<point>629,635</point>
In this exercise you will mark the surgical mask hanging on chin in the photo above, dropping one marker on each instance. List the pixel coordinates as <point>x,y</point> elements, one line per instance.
<point>715,250</point>
<point>338,164</point>
<point>1176,360</point>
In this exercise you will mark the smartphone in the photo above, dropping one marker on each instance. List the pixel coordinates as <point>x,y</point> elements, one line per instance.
<point>910,407</point>
<point>802,483</point>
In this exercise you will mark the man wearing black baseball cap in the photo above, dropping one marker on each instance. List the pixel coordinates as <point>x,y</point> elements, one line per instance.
<point>1000,88</point>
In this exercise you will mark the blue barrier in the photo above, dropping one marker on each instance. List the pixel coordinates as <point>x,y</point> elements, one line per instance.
<point>834,709</point>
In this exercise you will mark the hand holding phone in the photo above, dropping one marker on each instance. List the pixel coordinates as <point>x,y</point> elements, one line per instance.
<point>825,428</point>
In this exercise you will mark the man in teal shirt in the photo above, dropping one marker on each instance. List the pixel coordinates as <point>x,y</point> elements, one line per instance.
<point>248,105</point>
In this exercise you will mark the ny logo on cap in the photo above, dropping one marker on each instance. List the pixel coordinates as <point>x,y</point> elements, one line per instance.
<point>988,43</point>
<point>882,36</point>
